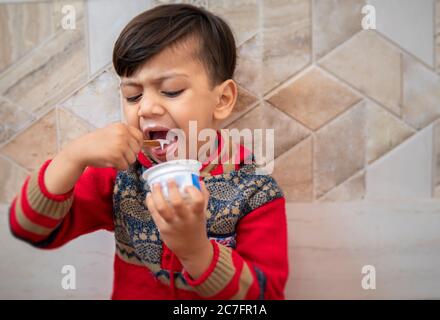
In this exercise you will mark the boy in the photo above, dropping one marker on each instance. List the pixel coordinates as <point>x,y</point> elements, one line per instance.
<point>229,240</point>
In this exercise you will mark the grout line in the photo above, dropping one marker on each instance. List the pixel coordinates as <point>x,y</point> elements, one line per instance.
<point>351,177</point>
<point>289,81</point>
<point>369,99</point>
<point>297,121</point>
<point>339,47</point>
<point>11,161</point>
<point>402,144</point>
<point>400,49</point>
<point>27,126</point>
<point>356,90</point>
<point>73,114</point>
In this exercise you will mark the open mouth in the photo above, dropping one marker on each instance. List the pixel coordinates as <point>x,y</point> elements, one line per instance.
<point>167,146</point>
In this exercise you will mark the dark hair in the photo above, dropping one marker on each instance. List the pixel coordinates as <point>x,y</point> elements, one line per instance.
<point>169,25</point>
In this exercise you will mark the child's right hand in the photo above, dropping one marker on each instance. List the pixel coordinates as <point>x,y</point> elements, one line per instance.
<point>115,145</point>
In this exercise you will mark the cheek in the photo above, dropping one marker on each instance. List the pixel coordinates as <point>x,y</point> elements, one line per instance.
<point>131,115</point>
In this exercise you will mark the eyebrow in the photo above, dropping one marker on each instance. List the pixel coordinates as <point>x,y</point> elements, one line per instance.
<point>131,82</point>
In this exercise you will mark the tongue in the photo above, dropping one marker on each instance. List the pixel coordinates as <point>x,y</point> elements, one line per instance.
<point>158,135</point>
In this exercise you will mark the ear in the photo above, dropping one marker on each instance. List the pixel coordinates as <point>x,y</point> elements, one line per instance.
<point>227,96</point>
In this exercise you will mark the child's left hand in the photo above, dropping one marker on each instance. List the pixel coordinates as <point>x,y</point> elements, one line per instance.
<point>181,222</point>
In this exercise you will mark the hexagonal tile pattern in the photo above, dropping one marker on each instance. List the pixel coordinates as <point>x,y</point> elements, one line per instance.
<point>34,145</point>
<point>286,40</point>
<point>293,172</point>
<point>98,102</point>
<point>12,179</point>
<point>334,21</point>
<point>421,94</point>
<point>371,65</point>
<point>13,119</point>
<point>287,131</point>
<point>314,99</point>
<point>70,127</point>
<point>351,190</point>
<point>54,69</point>
<point>242,17</point>
<point>385,131</point>
<point>339,149</point>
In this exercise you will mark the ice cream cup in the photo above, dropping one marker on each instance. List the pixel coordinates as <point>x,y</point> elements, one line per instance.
<point>185,172</point>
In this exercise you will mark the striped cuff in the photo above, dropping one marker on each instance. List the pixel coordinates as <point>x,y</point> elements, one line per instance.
<point>218,275</point>
<point>36,212</point>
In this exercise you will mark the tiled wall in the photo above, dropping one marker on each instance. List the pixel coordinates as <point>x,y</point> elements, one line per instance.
<point>356,112</point>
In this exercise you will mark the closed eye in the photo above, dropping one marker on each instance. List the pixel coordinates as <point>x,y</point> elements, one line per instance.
<point>134,98</point>
<point>172,94</point>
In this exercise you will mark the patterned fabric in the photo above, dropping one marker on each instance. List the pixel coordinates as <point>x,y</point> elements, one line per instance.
<point>232,196</point>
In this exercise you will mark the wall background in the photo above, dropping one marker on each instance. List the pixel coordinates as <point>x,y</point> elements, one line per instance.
<point>356,115</point>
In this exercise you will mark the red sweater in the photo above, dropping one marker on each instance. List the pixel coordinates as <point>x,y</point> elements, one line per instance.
<point>255,266</point>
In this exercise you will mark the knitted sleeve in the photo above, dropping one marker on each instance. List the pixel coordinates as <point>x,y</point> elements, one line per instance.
<point>258,267</point>
<point>47,220</point>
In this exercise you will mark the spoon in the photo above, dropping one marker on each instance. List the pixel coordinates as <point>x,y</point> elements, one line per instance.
<point>156,143</point>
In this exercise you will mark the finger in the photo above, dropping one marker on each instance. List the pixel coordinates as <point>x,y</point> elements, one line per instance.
<point>132,151</point>
<point>197,199</point>
<point>154,213</point>
<point>176,199</point>
<point>129,156</point>
<point>161,204</point>
<point>134,145</point>
<point>122,163</point>
<point>137,134</point>
<point>205,193</point>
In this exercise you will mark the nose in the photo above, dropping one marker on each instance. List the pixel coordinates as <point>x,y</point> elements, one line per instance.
<point>149,108</point>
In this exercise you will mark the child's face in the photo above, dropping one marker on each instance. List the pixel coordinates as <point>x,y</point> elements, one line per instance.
<point>168,91</point>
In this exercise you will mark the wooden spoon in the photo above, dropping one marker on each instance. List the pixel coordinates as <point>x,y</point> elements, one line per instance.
<point>155,143</point>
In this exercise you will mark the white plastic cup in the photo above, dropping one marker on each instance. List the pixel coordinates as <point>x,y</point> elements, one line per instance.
<point>185,172</point>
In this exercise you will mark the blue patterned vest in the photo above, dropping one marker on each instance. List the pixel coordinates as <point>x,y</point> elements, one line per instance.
<point>233,195</point>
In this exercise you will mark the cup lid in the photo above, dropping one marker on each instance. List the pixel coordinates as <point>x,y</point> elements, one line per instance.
<point>188,165</point>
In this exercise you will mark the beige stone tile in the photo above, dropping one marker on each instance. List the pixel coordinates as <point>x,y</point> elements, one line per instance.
<point>12,179</point>
<point>245,101</point>
<point>371,65</point>
<point>421,94</point>
<point>248,70</point>
<point>53,71</point>
<point>351,190</point>
<point>384,131</point>
<point>242,17</point>
<point>436,159</point>
<point>293,172</point>
<point>23,26</point>
<point>437,35</point>
<point>12,120</point>
<point>329,243</point>
<point>286,130</point>
<point>34,145</point>
<point>436,193</point>
<point>99,102</point>
<point>334,21</point>
<point>70,127</point>
<point>339,150</point>
<point>286,40</point>
<point>314,99</point>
